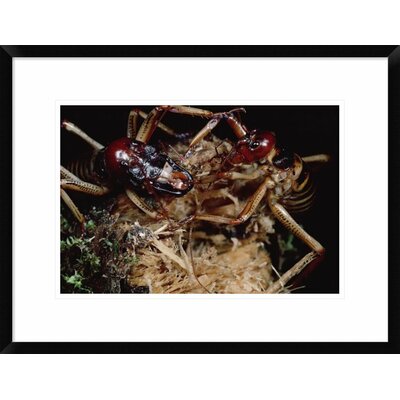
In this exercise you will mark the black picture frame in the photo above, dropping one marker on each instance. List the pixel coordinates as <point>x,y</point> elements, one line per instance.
<point>7,53</point>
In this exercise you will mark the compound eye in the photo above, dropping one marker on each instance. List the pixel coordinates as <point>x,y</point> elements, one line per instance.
<point>261,144</point>
<point>254,145</point>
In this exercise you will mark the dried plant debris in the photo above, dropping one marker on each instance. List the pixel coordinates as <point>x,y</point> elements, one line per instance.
<point>122,250</point>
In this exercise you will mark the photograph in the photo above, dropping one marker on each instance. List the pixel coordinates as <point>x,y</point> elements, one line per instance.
<point>219,207</point>
<point>199,199</point>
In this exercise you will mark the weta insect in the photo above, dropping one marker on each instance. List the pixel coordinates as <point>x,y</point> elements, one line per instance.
<point>286,184</point>
<point>129,162</point>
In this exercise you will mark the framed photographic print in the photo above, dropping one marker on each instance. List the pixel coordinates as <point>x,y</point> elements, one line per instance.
<point>205,199</point>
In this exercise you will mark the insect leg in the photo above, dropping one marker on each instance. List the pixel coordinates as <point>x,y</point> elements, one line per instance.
<point>71,205</point>
<point>150,124</point>
<point>277,286</point>
<point>193,111</point>
<point>70,127</point>
<point>316,158</point>
<point>210,125</point>
<point>247,210</point>
<point>147,128</point>
<point>289,223</point>
<point>72,182</point>
<point>84,187</point>
<point>153,119</point>
<point>237,127</point>
<point>142,205</point>
<point>133,123</point>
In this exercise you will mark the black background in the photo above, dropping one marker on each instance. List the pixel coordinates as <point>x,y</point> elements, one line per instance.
<point>306,130</point>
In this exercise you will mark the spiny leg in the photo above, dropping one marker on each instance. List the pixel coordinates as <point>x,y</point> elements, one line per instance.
<point>289,223</point>
<point>247,210</point>
<point>153,118</point>
<point>84,187</point>
<point>142,205</point>
<point>199,112</point>
<point>206,130</point>
<point>277,286</point>
<point>72,182</point>
<point>133,123</point>
<point>150,124</point>
<point>237,127</point>
<point>72,206</point>
<point>317,250</point>
<point>70,127</point>
<point>196,112</point>
<point>67,174</point>
<point>192,111</point>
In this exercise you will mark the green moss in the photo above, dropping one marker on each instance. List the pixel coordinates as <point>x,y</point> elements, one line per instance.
<point>76,281</point>
<point>94,259</point>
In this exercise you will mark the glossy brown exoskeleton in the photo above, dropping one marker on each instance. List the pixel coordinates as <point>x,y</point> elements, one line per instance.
<point>129,162</point>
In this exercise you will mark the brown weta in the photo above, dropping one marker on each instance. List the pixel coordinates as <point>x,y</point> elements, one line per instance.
<point>129,162</point>
<point>286,184</point>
